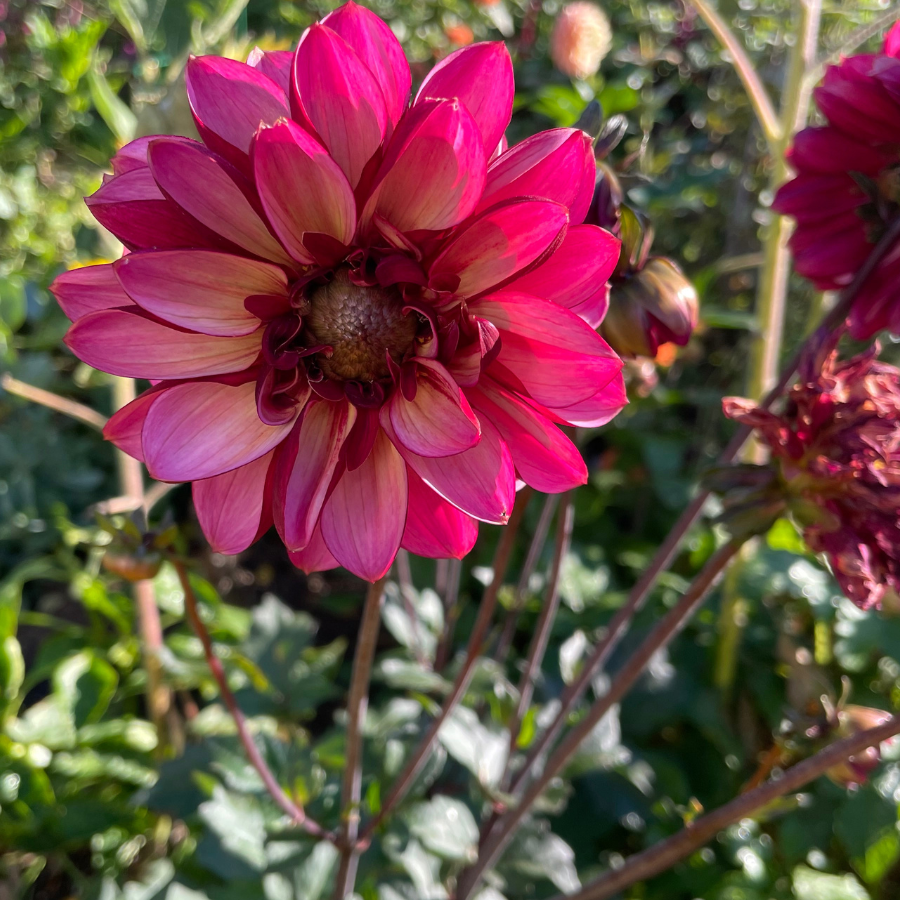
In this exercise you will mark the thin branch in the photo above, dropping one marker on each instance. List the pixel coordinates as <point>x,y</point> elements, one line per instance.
<point>476,644</point>
<point>70,408</point>
<point>451,614</point>
<point>756,92</point>
<point>666,629</point>
<point>407,593</point>
<point>357,703</point>
<point>666,853</point>
<point>293,810</point>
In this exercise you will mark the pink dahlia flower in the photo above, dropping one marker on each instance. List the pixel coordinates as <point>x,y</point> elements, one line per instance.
<point>846,188</point>
<point>360,318</point>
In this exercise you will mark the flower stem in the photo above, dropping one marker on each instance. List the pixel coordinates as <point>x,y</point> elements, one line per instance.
<point>666,853</point>
<point>357,703</point>
<point>423,751</point>
<point>67,407</point>
<point>670,625</point>
<point>286,804</point>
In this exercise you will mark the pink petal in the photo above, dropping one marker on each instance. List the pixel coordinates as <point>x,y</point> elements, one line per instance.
<point>481,77</point>
<point>200,290</point>
<point>204,428</point>
<point>315,556</point>
<point>554,165</point>
<point>230,100</point>
<point>576,274</point>
<point>433,170</point>
<point>274,64</point>
<point>88,289</point>
<point>231,507</point>
<point>207,187</point>
<point>306,466</point>
<point>597,410</point>
<point>302,188</point>
<point>341,98</point>
<point>497,244</point>
<point>364,518</point>
<point>480,481</point>
<point>544,457</point>
<point>434,528</point>
<point>134,154</point>
<point>438,421</point>
<point>379,49</point>
<point>125,425</point>
<point>128,343</point>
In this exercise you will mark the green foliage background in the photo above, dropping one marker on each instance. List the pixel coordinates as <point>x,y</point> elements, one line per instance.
<point>91,805</point>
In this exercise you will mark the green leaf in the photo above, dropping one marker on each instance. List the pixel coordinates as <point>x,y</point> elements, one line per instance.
<point>812,885</point>
<point>85,684</point>
<point>481,751</point>
<point>120,120</point>
<point>13,302</point>
<point>238,823</point>
<point>12,670</point>
<point>538,853</point>
<point>446,827</point>
<point>783,535</point>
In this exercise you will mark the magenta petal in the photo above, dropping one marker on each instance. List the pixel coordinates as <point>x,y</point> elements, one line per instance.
<point>481,77</point>
<point>275,64</point>
<point>433,170</point>
<point>127,342</point>
<point>88,289</point>
<point>315,556</point>
<point>204,428</point>
<point>200,290</point>
<point>597,410</point>
<point>302,188</point>
<point>205,186</point>
<point>125,425</point>
<point>496,245</point>
<point>438,421</point>
<point>231,507</point>
<point>341,99</point>
<point>434,528</point>
<point>379,49</point>
<point>230,100</point>
<point>544,457</point>
<point>576,274</point>
<point>364,518</point>
<point>305,469</point>
<point>554,165</point>
<point>480,481</point>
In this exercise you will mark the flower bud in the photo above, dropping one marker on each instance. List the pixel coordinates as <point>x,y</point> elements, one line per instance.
<point>652,306</point>
<point>132,567</point>
<point>581,37</point>
<point>856,769</point>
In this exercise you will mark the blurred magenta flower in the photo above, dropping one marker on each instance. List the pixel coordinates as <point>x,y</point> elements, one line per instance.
<point>361,318</point>
<point>837,444</point>
<point>847,188</point>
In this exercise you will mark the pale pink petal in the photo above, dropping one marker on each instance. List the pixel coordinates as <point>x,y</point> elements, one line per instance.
<point>341,99</point>
<point>315,556</point>
<point>231,507</point>
<point>481,77</point>
<point>480,481</point>
<point>433,170</point>
<point>305,468</point>
<point>204,428</point>
<point>496,245</point>
<point>379,49</point>
<point>126,424</point>
<point>438,421</point>
<point>554,165</point>
<point>364,518</point>
<point>200,290</point>
<point>544,457</point>
<point>275,64</point>
<point>434,528</point>
<point>129,343</point>
<point>134,154</point>
<point>597,410</point>
<point>302,188</point>
<point>230,100</point>
<point>576,275</point>
<point>206,186</point>
<point>88,289</point>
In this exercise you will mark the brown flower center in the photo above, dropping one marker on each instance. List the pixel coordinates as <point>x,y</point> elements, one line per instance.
<point>362,324</point>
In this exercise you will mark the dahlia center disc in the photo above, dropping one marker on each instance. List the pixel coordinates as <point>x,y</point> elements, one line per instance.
<point>362,324</point>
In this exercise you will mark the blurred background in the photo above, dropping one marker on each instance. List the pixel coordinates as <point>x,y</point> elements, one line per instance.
<point>93,803</point>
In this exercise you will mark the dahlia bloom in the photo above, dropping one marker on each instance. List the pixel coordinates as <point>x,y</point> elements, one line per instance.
<point>837,444</point>
<point>361,319</point>
<point>846,188</point>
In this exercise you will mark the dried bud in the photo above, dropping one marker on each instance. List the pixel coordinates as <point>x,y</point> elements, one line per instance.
<point>852,720</point>
<point>132,567</point>
<point>581,37</point>
<point>650,307</point>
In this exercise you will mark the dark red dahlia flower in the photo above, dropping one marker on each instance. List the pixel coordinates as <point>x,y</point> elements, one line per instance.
<point>361,318</point>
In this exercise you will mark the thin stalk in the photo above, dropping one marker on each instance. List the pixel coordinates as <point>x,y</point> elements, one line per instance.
<point>451,614</point>
<point>357,703</point>
<point>732,618</point>
<point>70,408</point>
<point>666,629</point>
<point>476,644</point>
<point>292,809</point>
<point>407,592</point>
<point>666,853</point>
